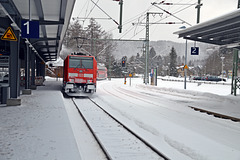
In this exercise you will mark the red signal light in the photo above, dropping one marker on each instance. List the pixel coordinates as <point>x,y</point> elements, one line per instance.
<point>123,63</point>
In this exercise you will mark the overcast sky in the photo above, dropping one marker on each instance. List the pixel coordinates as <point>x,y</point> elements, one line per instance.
<point>134,10</point>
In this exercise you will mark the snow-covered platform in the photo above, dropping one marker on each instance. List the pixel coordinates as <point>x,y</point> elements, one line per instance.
<point>38,129</point>
<point>47,127</point>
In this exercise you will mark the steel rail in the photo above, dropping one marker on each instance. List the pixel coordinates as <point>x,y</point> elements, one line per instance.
<point>91,130</point>
<point>133,133</point>
<point>215,114</point>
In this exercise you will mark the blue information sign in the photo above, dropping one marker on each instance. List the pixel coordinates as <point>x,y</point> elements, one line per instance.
<point>30,29</point>
<point>194,50</point>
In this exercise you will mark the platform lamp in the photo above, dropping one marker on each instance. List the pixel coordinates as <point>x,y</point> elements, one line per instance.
<point>222,58</point>
<point>185,63</point>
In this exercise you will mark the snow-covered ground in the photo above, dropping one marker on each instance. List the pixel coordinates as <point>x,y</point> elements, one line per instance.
<point>219,88</point>
<point>162,116</point>
<point>46,125</point>
<point>39,129</point>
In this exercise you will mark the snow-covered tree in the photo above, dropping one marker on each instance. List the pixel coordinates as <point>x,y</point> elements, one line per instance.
<point>92,40</point>
<point>173,62</point>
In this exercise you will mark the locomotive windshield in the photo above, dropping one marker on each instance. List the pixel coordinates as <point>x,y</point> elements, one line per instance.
<point>81,62</point>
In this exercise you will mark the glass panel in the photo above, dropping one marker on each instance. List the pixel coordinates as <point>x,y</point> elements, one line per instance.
<point>81,62</point>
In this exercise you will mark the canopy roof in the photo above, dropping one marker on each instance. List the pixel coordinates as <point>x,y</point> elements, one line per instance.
<point>53,17</point>
<point>223,30</point>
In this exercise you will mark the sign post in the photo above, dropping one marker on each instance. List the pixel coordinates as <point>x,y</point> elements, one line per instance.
<point>130,75</point>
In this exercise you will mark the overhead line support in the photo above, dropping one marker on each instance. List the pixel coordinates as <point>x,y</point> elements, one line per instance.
<point>146,78</point>
<point>120,20</point>
<point>92,18</point>
<point>198,10</point>
<point>104,12</point>
<point>155,4</point>
<point>175,4</point>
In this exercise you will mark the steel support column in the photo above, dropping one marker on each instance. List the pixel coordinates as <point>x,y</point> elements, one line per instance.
<point>235,72</point>
<point>14,67</point>
<point>185,69</point>
<point>26,59</point>
<point>33,67</point>
<point>120,20</point>
<point>42,69</point>
<point>146,78</point>
<point>38,62</point>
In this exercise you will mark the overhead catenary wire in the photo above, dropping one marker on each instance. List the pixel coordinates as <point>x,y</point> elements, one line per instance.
<point>91,10</point>
<point>177,3</point>
<point>83,7</point>
<point>105,12</point>
<point>131,20</point>
<point>189,4</point>
<point>171,14</point>
<point>179,9</point>
<point>176,12</point>
<point>139,21</point>
<point>131,28</point>
<point>137,24</point>
<point>142,14</point>
<point>86,15</point>
<point>165,18</point>
<point>86,10</point>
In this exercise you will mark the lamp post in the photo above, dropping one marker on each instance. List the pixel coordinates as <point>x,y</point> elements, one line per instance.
<point>185,68</point>
<point>222,66</point>
<point>185,63</point>
<point>168,70</point>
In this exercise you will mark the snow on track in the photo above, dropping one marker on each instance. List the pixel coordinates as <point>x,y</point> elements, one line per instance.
<point>119,143</point>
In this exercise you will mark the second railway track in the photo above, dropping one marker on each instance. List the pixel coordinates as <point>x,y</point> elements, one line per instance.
<point>116,140</point>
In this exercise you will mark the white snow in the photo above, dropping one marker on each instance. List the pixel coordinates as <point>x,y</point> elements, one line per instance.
<point>163,117</point>
<point>119,143</point>
<point>46,125</point>
<point>38,129</point>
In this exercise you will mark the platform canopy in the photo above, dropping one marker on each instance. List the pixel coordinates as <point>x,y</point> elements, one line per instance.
<point>223,30</point>
<point>53,16</point>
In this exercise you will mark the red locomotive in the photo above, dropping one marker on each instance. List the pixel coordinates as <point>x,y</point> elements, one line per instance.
<point>101,72</point>
<point>80,74</point>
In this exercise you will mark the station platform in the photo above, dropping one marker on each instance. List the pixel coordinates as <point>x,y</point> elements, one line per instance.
<point>38,129</point>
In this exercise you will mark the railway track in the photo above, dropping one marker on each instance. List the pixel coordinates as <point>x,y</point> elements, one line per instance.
<point>218,115</point>
<point>215,114</point>
<point>115,139</point>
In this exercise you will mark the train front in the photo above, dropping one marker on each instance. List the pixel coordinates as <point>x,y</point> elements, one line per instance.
<point>79,75</point>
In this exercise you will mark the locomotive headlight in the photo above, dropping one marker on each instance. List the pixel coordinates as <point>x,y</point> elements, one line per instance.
<point>90,81</point>
<point>72,74</point>
<point>71,80</point>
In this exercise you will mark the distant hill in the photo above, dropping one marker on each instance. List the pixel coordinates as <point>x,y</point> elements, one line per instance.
<point>162,48</point>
